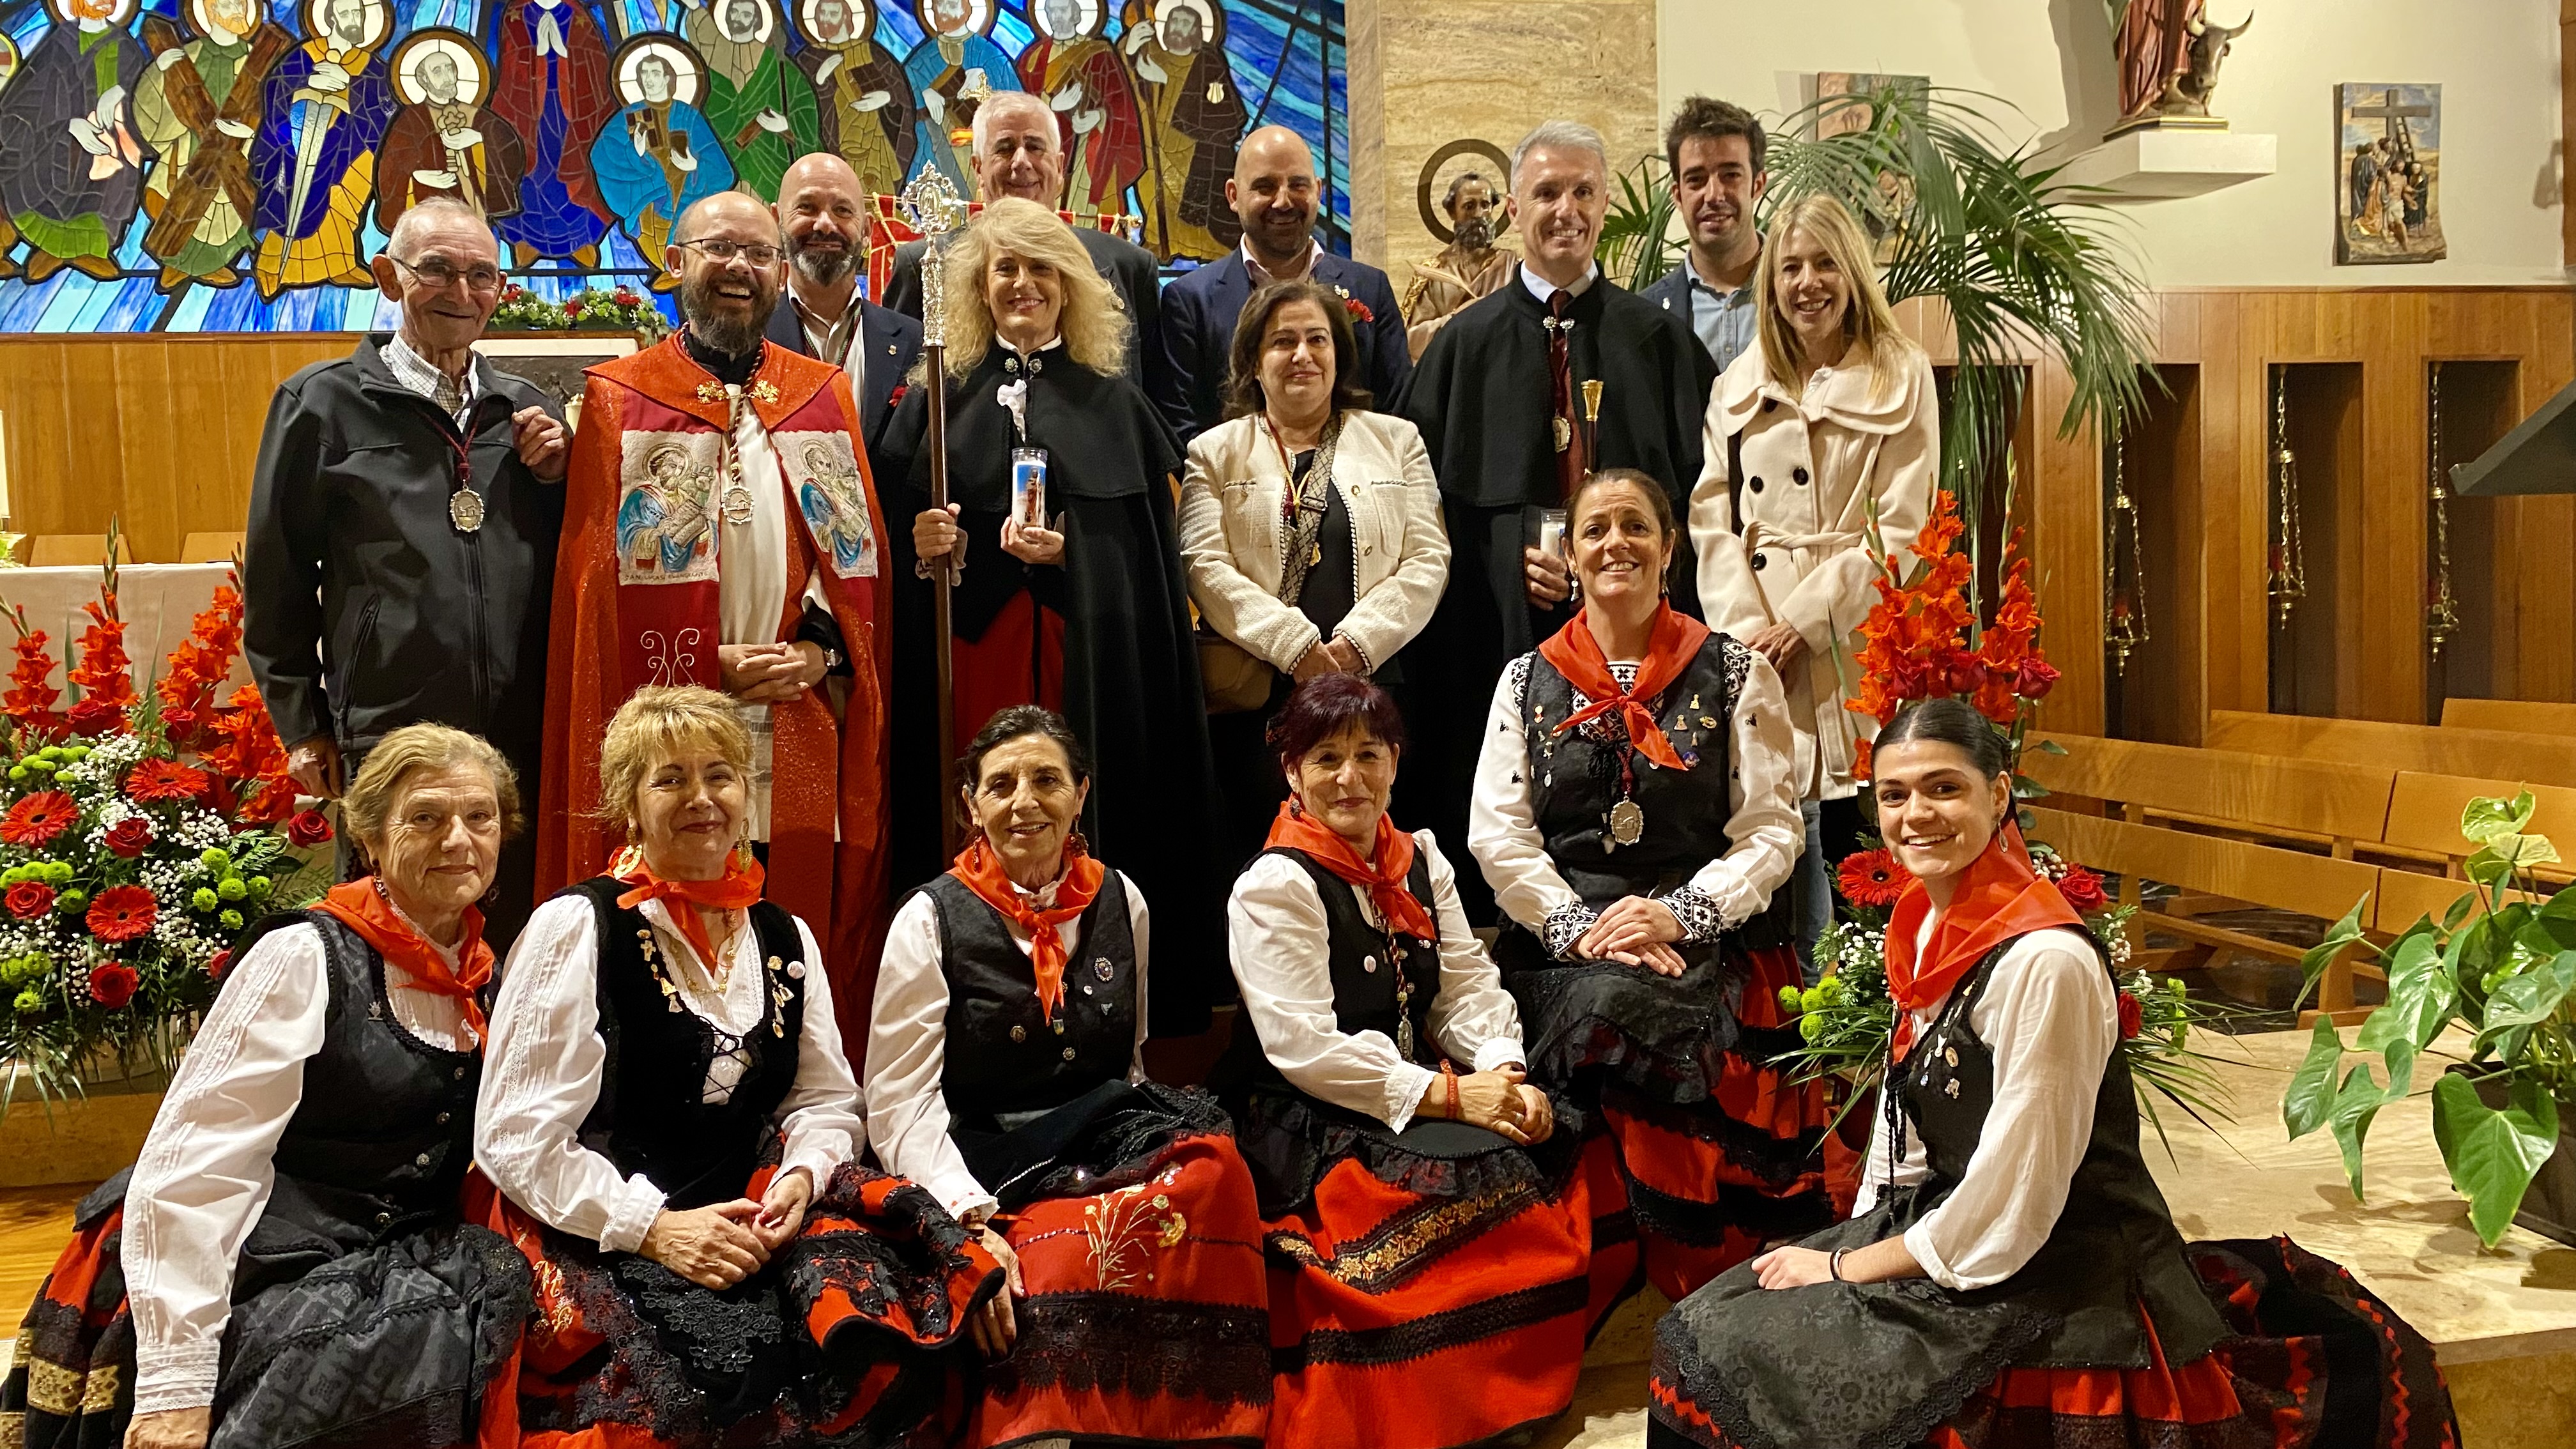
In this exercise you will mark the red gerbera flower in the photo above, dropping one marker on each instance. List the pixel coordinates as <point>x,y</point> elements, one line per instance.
<point>1872,878</point>
<point>122,912</point>
<point>165,780</point>
<point>112,983</point>
<point>40,817</point>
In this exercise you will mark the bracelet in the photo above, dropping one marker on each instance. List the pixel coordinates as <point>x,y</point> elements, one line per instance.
<point>1449,1075</point>
<point>1834,1265</point>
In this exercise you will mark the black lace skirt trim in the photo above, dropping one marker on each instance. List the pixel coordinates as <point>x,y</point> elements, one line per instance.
<point>1597,1023</point>
<point>1420,1337</point>
<point>1290,1141</point>
<point>1123,1146</point>
<point>1142,1347</point>
<point>1778,1162</point>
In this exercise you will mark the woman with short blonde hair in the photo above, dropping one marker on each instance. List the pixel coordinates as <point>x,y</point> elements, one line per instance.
<point>1824,434</point>
<point>1065,586</point>
<point>671,1117</point>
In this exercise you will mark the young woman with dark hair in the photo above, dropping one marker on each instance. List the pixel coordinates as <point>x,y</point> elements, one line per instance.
<point>2013,1279</point>
<point>1006,1073</point>
<point>1635,814</point>
<point>1428,1286</point>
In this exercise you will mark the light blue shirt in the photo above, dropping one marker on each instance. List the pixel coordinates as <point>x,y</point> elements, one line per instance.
<point>1723,320</point>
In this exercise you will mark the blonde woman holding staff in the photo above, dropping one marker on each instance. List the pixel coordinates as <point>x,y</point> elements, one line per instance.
<point>1829,422</point>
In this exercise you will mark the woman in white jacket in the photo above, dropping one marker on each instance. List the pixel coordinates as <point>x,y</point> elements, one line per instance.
<point>1830,423</point>
<point>1310,527</point>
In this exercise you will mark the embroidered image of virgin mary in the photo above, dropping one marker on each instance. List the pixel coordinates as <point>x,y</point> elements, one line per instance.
<point>835,503</point>
<point>663,533</point>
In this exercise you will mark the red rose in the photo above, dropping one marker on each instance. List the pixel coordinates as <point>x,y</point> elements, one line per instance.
<point>2132,1016</point>
<point>221,962</point>
<point>2038,676</point>
<point>29,899</point>
<point>95,716</point>
<point>130,836</point>
<point>112,984</point>
<point>2083,890</point>
<point>180,723</point>
<point>308,827</point>
<point>1358,309</point>
<point>121,913</point>
<point>1965,674</point>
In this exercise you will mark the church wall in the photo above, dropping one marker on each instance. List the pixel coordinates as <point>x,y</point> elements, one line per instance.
<point>2496,60</point>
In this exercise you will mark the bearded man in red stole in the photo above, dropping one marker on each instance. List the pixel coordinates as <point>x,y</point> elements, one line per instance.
<point>721,529</point>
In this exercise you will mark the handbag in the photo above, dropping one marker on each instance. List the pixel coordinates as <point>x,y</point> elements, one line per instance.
<point>1234,679</point>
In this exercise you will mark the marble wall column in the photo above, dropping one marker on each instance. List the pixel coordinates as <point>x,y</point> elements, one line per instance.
<point>1424,73</point>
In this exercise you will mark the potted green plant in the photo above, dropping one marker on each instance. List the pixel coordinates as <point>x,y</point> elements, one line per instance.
<point>2501,963</point>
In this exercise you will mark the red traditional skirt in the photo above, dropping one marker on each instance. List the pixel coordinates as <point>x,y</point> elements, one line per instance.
<point>1694,1155</point>
<point>2353,1374</point>
<point>1146,1315</point>
<point>853,1328</point>
<point>1020,660</point>
<point>1427,1288</point>
<point>392,1343</point>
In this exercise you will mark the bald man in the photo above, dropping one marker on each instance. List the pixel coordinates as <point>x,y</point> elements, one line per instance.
<point>1019,151</point>
<point>721,529</point>
<point>1275,193</point>
<point>821,314</point>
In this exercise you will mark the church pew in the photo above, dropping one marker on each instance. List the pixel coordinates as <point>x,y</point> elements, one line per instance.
<point>2536,759</point>
<point>2524,716</point>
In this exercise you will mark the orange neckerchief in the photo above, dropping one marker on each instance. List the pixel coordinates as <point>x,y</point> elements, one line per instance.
<point>1999,897</point>
<point>1577,656</point>
<point>979,869</point>
<point>363,909</point>
<point>1395,905</point>
<point>735,890</point>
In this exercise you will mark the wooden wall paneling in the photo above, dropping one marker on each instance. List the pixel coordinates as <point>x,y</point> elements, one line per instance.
<point>2160,697</point>
<point>2235,419</point>
<point>2544,529</point>
<point>2061,495</point>
<point>2390,508</point>
<point>149,505</point>
<point>40,436</point>
<point>94,472</point>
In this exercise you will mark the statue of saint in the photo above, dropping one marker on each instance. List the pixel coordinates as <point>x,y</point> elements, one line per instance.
<point>1465,270</point>
<point>2152,41</point>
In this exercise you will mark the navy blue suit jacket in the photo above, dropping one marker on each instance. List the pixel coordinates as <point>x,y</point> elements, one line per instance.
<point>888,339</point>
<point>1199,311</point>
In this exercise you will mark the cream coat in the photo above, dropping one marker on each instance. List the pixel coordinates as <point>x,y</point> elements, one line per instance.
<point>1815,471</point>
<point>1231,543</point>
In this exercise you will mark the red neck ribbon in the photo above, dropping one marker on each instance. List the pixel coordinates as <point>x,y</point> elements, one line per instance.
<point>735,890</point>
<point>2000,896</point>
<point>1395,905</point>
<point>1577,655</point>
<point>363,909</point>
<point>979,868</point>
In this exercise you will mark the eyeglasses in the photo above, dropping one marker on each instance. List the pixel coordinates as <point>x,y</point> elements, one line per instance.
<point>723,249</point>
<point>437,273</point>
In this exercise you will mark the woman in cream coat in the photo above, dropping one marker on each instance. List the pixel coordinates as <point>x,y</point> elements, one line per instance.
<point>1310,527</point>
<point>1832,420</point>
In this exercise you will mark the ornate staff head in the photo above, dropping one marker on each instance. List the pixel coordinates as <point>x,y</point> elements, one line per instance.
<point>930,206</point>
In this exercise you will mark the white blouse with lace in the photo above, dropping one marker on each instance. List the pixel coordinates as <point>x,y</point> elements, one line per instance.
<point>541,1075</point>
<point>2051,1016</point>
<point>1763,825</point>
<point>908,1046</point>
<point>1281,942</point>
<point>205,1172</point>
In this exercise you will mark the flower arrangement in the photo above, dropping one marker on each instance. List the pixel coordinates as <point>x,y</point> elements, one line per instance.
<point>1922,640</point>
<point>593,310</point>
<point>140,838</point>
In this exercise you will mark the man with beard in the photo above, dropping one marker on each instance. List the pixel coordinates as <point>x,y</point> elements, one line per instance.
<point>380,588</point>
<point>1499,400</point>
<point>1019,152</point>
<point>1274,193</point>
<point>1471,267</point>
<point>721,529</point>
<point>1717,152</point>
<point>825,317</point>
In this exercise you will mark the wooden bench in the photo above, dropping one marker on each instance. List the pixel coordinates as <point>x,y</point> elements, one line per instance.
<point>2479,754</point>
<point>2521,716</point>
<point>2424,821</point>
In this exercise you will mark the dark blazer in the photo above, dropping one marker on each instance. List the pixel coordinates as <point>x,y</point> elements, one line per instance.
<point>1672,292</point>
<point>1199,311</point>
<point>1129,268</point>
<point>888,339</point>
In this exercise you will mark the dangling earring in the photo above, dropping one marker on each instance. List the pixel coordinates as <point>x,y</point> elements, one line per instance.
<point>742,853</point>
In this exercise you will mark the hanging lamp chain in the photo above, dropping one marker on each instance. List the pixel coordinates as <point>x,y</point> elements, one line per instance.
<point>2287,580</point>
<point>2442,612</point>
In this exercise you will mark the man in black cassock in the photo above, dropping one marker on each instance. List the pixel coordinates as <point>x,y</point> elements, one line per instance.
<point>1498,396</point>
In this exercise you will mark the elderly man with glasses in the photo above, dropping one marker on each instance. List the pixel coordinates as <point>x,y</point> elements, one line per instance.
<point>402,533</point>
<point>721,529</point>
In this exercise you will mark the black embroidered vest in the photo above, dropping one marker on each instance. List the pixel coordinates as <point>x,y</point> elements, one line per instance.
<point>2114,1244</point>
<point>651,1116</point>
<point>1003,1055</point>
<point>384,1132</point>
<point>1366,965</point>
<point>1575,780</point>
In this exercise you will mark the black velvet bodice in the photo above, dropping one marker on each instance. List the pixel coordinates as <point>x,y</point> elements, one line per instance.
<point>1003,1055</point>
<point>651,1116</point>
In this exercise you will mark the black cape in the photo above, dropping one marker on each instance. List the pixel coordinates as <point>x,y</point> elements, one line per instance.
<point>1480,397</point>
<point>1131,685</point>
